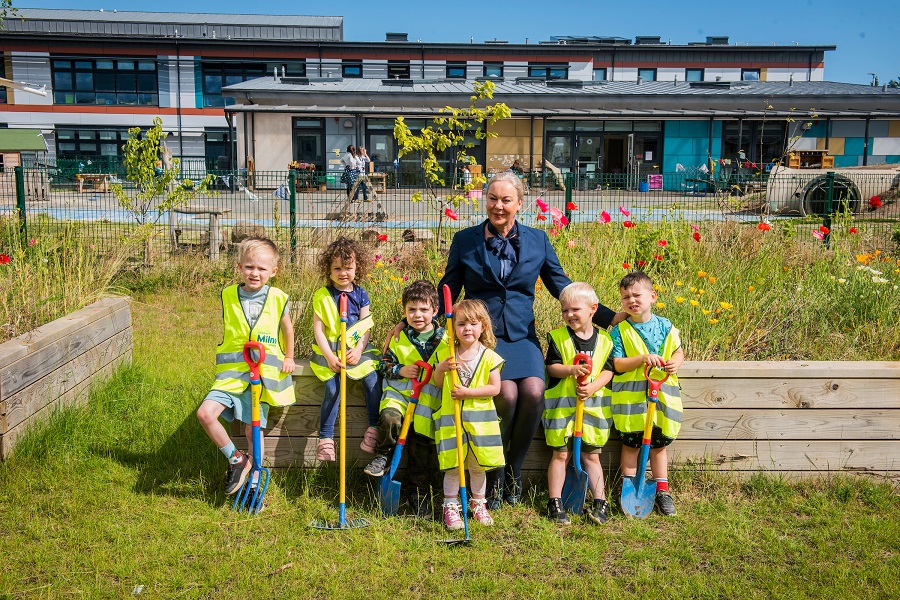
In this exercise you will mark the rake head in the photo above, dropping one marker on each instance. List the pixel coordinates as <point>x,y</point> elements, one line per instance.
<point>251,495</point>
<point>338,525</point>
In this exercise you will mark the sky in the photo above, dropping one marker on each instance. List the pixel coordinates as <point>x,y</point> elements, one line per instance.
<point>866,32</point>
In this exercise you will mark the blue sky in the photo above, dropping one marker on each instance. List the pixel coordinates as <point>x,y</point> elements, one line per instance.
<point>866,33</point>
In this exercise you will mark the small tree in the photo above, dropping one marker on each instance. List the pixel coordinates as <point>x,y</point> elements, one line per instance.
<point>449,132</point>
<point>157,188</point>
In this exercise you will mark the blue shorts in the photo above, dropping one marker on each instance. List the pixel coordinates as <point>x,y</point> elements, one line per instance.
<point>238,406</point>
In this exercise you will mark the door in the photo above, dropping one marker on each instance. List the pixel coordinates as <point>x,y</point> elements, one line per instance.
<point>590,155</point>
<point>615,154</point>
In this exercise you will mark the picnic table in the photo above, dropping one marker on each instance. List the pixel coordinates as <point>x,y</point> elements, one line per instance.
<point>99,181</point>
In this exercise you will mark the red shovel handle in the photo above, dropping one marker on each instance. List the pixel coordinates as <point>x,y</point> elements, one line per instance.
<point>423,378</point>
<point>343,307</point>
<point>579,358</point>
<point>448,302</point>
<point>254,364</point>
<point>653,385</point>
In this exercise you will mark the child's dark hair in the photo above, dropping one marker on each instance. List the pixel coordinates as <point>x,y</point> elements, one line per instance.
<point>345,249</point>
<point>635,278</point>
<point>420,290</point>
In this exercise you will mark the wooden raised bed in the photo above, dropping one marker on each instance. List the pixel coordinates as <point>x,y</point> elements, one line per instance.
<point>795,418</point>
<point>55,365</point>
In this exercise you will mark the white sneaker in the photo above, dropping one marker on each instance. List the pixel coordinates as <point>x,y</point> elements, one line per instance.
<point>452,519</point>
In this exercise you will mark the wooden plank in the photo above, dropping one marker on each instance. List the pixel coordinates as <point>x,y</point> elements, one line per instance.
<point>19,347</point>
<point>776,393</point>
<point>24,372</point>
<point>799,424</point>
<point>74,396</point>
<point>23,404</point>
<point>790,369</point>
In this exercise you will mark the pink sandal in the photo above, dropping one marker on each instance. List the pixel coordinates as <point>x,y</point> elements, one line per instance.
<point>325,450</point>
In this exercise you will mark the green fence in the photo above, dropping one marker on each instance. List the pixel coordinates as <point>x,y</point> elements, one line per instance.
<point>316,204</point>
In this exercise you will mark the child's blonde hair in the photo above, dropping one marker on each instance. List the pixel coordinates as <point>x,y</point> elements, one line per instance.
<point>578,291</point>
<point>346,249</point>
<point>253,245</point>
<point>475,310</point>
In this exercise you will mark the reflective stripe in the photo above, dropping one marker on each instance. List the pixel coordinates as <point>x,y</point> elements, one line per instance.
<point>468,416</point>
<point>224,358</point>
<point>587,420</point>
<point>641,386</point>
<point>401,385</point>
<point>482,441</point>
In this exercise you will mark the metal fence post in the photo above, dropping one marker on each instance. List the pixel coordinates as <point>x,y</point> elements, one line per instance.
<point>570,181</point>
<point>829,206</point>
<point>20,201</point>
<point>292,190</point>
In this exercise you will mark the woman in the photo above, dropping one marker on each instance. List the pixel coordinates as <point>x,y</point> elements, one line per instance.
<point>351,169</point>
<point>362,169</point>
<point>498,262</point>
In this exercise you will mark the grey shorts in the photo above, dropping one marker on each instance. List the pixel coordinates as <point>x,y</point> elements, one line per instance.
<point>238,406</point>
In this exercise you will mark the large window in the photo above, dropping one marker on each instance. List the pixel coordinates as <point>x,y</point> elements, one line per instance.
<point>217,75</point>
<point>92,147</point>
<point>456,70</point>
<point>647,74</point>
<point>693,74</point>
<point>759,141</point>
<point>559,71</point>
<point>105,81</point>
<point>351,69</point>
<point>493,69</point>
<point>398,69</point>
<point>749,74</point>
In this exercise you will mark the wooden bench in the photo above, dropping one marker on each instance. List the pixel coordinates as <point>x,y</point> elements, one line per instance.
<point>213,212</point>
<point>378,180</point>
<point>99,181</point>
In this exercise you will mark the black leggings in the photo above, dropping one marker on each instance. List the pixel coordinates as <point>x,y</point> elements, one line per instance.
<point>519,405</point>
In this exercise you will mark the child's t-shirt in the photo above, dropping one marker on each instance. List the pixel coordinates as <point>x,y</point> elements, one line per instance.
<point>356,299</point>
<point>653,332</point>
<point>581,346</point>
<point>252,303</point>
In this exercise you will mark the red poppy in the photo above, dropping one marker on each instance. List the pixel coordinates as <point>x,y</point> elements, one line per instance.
<point>763,226</point>
<point>642,263</point>
<point>818,235</point>
<point>628,224</point>
<point>554,231</point>
<point>854,230</point>
<point>4,259</point>
<point>662,243</point>
<point>382,237</point>
<point>624,211</point>
<point>571,206</point>
<point>824,229</point>
<point>626,266</point>
<point>657,257</point>
<point>875,201</point>
<point>541,218</point>
<point>696,236</point>
<point>32,242</point>
<point>604,217</point>
<point>542,205</point>
<point>564,220</point>
<point>451,213</point>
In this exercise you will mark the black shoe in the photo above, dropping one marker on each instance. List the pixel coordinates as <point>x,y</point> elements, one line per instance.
<point>665,505</point>
<point>237,472</point>
<point>420,505</point>
<point>557,513</point>
<point>513,490</point>
<point>377,467</point>
<point>599,512</point>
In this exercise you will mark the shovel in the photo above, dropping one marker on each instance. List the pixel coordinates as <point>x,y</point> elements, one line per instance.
<point>457,414</point>
<point>343,522</point>
<point>638,496</point>
<point>575,488</point>
<point>388,489</point>
<point>251,495</point>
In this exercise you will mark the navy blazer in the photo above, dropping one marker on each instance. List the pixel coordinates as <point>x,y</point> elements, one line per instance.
<point>511,306</point>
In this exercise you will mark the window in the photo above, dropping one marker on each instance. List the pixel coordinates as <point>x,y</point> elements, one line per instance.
<point>456,70</point>
<point>549,71</point>
<point>647,74</point>
<point>493,69</point>
<point>600,74</point>
<point>288,69</point>
<point>2,74</point>
<point>749,74</point>
<point>352,69</point>
<point>398,69</point>
<point>95,144</point>
<point>693,74</point>
<point>105,81</point>
<point>217,75</point>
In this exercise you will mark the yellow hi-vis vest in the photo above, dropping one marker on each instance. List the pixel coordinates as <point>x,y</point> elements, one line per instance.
<point>480,424</point>
<point>397,391</point>
<point>629,390</point>
<point>559,401</point>
<point>232,372</point>
<point>327,309</point>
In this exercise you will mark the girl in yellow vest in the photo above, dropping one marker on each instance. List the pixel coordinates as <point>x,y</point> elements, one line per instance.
<point>645,339</point>
<point>252,311</point>
<point>478,367</point>
<point>579,302</point>
<point>341,263</point>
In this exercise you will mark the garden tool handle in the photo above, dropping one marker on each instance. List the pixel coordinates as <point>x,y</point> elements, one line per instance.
<point>451,334</point>
<point>254,364</point>
<point>653,385</point>
<point>579,358</point>
<point>417,386</point>
<point>419,382</point>
<point>448,302</point>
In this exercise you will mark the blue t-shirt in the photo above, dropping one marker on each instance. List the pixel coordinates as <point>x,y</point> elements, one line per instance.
<point>653,332</point>
<point>356,299</point>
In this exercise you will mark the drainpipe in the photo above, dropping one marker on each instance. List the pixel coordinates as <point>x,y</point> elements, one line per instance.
<point>866,143</point>
<point>319,46</point>
<point>740,134</point>
<point>709,146</point>
<point>423,60</point>
<point>612,70</point>
<point>531,149</point>
<point>246,140</point>
<point>178,99</point>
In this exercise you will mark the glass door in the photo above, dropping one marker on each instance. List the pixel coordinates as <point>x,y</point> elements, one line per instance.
<point>309,142</point>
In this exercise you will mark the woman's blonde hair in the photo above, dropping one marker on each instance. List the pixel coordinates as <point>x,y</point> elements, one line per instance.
<point>475,310</point>
<point>510,178</point>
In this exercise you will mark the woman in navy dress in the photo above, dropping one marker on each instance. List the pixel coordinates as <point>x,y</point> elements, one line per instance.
<point>498,262</point>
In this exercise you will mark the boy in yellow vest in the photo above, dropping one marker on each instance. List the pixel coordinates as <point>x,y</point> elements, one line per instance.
<point>579,303</point>
<point>645,339</point>
<point>252,311</point>
<point>419,340</point>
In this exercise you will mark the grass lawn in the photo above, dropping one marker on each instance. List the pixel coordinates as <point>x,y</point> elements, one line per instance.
<point>126,492</point>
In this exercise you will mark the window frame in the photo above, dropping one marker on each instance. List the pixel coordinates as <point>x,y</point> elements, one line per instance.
<point>746,72</point>
<point>549,70</point>
<point>403,66</point>
<point>643,71</point>
<point>126,81</point>
<point>491,65</point>
<point>347,65</point>
<point>689,70</point>
<point>456,65</point>
<point>605,71</point>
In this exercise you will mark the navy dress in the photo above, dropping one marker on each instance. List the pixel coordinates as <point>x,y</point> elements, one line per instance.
<point>473,267</point>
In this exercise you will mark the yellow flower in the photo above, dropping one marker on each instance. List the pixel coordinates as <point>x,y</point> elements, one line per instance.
<point>678,282</point>
<point>700,291</point>
<point>660,305</point>
<point>784,268</point>
<point>679,299</point>
<point>694,303</point>
<point>379,264</point>
<point>712,279</point>
<point>713,321</point>
<point>656,287</point>
<point>726,305</point>
<point>693,289</point>
<point>750,288</point>
<point>706,311</point>
<point>701,273</point>
<point>730,316</point>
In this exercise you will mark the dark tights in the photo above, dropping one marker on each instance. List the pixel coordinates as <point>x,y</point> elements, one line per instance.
<point>519,406</point>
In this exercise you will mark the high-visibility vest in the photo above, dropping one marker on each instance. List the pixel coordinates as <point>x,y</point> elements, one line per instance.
<point>327,310</point>
<point>397,391</point>
<point>559,401</point>
<point>480,424</point>
<point>629,390</point>
<point>232,372</point>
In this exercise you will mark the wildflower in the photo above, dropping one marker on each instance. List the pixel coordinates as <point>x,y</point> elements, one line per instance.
<point>678,282</point>
<point>695,227</point>
<point>696,237</point>
<point>657,257</point>
<point>556,213</point>
<point>701,291</point>
<point>693,289</point>
<point>628,224</point>
<point>624,211</point>
<point>712,279</point>
<point>726,305</point>
<point>750,288</point>
<point>713,321</point>
<point>92,246</point>
<point>879,279</point>
<point>570,243</point>
<point>818,235</point>
<point>824,229</point>
<point>701,273</point>
<point>625,266</point>
<point>542,205</point>
<point>377,257</point>
<point>863,258</point>
<point>679,299</point>
<point>571,206</point>
<point>604,218</point>
<point>382,237</point>
<point>853,230</point>
<point>554,231</point>
<point>541,218</point>
<point>763,226</point>
<point>642,263</point>
<point>660,305</point>
<point>32,242</point>
<point>662,243</point>
<point>694,302</point>
<point>379,264</point>
<point>841,280</point>
<point>4,259</point>
<point>705,311</point>
<point>874,202</point>
<point>451,214</point>
<point>563,220</point>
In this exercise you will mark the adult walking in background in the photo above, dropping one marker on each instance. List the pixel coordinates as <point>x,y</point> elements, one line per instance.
<point>362,170</point>
<point>351,169</point>
<point>498,262</point>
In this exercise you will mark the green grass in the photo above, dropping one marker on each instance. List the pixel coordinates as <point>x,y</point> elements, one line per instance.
<point>126,492</point>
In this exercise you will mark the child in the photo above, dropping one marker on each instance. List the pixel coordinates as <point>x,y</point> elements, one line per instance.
<point>252,311</point>
<point>340,264</point>
<point>579,303</point>
<point>419,340</point>
<point>478,368</point>
<point>645,339</point>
